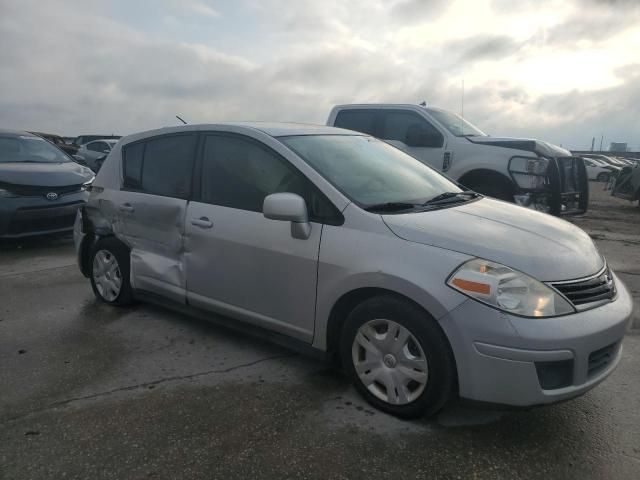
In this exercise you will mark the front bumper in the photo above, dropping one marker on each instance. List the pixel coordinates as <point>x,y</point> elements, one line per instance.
<point>505,359</point>
<point>27,216</point>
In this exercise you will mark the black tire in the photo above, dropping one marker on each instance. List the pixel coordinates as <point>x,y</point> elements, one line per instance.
<point>602,177</point>
<point>494,190</point>
<point>441,380</point>
<point>120,252</point>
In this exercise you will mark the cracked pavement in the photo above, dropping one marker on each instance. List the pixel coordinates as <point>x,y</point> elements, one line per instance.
<point>89,391</point>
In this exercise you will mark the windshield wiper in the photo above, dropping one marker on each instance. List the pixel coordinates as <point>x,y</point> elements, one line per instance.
<point>450,197</point>
<point>390,207</point>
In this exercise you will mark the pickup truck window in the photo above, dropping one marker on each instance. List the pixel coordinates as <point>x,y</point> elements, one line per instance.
<point>410,129</point>
<point>457,125</point>
<point>358,120</point>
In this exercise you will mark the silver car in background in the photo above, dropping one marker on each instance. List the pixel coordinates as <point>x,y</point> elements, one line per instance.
<point>95,150</point>
<point>343,245</point>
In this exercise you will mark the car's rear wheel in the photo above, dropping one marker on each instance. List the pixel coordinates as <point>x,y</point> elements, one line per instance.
<point>109,272</point>
<point>603,177</point>
<point>397,357</point>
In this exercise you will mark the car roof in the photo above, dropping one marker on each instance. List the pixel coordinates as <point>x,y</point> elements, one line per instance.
<point>355,106</point>
<point>273,129</point>
<point>17,133</point>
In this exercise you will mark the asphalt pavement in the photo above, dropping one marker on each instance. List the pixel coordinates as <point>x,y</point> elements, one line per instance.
<point>90,391</point>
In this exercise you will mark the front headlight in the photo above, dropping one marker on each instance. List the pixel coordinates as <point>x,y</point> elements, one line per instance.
<point>87,185</point>
<point>7,194</point>
<point>508,290</point>
<point>528,172</point>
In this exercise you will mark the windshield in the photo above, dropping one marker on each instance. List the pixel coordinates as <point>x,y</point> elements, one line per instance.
<point>28,149</point>
<point>369,171</point>
<point>457,125</point>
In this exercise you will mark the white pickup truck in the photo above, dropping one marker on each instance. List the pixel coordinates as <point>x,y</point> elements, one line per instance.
<point>528,172</point>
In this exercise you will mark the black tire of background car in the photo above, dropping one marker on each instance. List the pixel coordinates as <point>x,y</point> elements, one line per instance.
<point>603,177</point>
<point>121,252</point>
<point>442,377</point>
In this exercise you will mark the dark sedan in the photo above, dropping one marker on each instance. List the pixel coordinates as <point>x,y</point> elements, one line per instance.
<point>40,186</point>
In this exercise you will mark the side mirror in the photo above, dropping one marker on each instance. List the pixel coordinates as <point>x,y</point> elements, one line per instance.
<point>420,137</point>
<point>288,207</point>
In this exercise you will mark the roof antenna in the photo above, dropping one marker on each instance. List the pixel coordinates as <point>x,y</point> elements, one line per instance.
<point>178,117</point>
<point>424,104</point>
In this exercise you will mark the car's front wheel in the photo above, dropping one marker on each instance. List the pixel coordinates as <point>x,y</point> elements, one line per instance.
<point>603,177</point>
<point>397,357</point>
<point>110,272</point>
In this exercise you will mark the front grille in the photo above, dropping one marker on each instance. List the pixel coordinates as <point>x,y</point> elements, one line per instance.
<point>593,289</point>
<point>599,359</point>
<point>39,191</point>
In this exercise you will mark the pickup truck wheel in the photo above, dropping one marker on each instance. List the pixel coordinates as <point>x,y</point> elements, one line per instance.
<point>603,177</point>
<point>109,272</point>
<point>397,357</point>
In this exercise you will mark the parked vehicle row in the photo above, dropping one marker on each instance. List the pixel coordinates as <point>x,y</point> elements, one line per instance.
<point>600,170</point>
<point>338,243</point>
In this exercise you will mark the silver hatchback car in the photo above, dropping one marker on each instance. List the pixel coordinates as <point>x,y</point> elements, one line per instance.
<point>344,245</point>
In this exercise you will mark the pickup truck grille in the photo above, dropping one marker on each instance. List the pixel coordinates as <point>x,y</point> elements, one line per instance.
<point>593,289</point>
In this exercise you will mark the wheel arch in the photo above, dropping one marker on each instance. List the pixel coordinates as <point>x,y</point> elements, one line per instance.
<point>482,175</point>
<point>348,301</point>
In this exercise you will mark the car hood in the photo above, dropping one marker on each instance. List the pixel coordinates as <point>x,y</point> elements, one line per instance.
<point>44,174</point>
<point>527,144</point>
<point>545,247</point>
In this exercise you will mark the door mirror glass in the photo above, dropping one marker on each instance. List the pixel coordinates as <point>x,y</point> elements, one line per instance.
<point>288,207</point>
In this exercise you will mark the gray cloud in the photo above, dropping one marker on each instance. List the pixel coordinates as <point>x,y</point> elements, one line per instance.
<point>483,47</point>
<point>418,10</point>
<point>91,74</point>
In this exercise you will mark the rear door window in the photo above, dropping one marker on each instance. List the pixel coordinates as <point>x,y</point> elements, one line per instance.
<point>359,120</point>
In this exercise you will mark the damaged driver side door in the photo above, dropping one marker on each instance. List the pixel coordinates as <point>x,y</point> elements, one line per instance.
<point>157,176</point>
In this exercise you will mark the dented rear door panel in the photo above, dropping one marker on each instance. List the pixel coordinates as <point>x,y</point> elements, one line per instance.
<point>153,227</point>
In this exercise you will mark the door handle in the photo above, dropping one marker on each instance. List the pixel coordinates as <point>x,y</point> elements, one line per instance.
<point>202,222</point>
<point>126,207</point>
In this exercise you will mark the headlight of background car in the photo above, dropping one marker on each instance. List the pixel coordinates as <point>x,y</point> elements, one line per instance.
<point>7,194</point>
<point>529,172</point>
<point>86,185</point>
<point>508,290</point>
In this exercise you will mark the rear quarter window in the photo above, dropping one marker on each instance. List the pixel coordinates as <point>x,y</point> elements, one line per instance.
<point>161,165</point>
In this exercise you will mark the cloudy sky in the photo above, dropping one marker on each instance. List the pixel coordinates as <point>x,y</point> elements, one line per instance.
<point>561,70</point>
